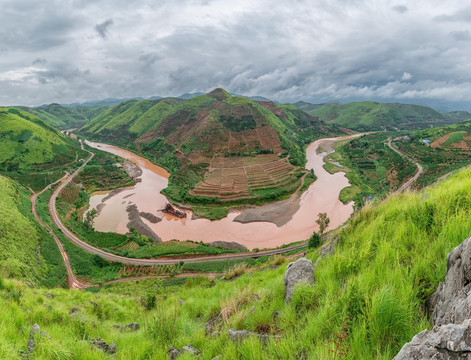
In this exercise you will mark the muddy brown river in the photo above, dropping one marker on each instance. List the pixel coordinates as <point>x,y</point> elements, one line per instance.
<point>321,196</point>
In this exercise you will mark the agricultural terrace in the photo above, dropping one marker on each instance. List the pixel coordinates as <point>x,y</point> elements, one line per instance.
<point>456,140</point>
<point>231,179</point>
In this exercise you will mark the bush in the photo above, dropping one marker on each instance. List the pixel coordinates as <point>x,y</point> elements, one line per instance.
<point>314,241</point>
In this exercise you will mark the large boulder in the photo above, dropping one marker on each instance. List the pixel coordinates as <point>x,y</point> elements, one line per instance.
<point>298,272</point>
<point>450,307</point>
<point>451,303</point>
<point>446,342</point>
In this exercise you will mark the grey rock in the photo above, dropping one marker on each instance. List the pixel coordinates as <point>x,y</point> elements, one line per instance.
<point>181,301</point>
<point>446,342</point>
<point>275,314</point>
<point>131,327</point>
<point>298,272</point>
<point>239,335</point>
<point>451,303</point>
<point>214,324</point>
<point>173,353</point>
<point>32,338</point>
<point>191,349</point>
<point>74,310</point>
<point>102,345</point>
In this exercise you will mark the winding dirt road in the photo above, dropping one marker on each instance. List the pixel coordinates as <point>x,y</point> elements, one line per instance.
<point>419,172</point>
<point>72,281</point>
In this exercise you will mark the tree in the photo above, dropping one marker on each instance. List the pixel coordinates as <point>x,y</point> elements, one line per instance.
<point>314,241</point>
<point>90,218</point>
<point>323,222</point>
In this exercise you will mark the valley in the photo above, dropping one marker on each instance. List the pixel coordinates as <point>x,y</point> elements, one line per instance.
<point>371,187</point>
<point>296,224</point>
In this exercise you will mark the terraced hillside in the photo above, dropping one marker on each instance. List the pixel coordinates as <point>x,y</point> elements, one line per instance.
<point>31,149</point>
<point>217,147</point>
<point>370,116</point>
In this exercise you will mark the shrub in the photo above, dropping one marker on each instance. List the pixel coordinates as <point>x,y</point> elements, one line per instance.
<point>314,241</point>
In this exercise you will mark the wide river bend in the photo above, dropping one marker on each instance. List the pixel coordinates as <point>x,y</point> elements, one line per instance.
<point>321,196</point>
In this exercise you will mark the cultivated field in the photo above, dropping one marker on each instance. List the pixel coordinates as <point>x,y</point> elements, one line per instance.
<point>455,140</point>
<point>230,179</point>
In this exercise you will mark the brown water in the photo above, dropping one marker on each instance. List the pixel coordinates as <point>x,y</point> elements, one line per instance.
<point>321,196</point>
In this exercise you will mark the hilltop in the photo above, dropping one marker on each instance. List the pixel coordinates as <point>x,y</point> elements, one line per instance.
<point>32,151</point>
<point>65,117</point>
<point>371,116</point>
<point>218,148</point>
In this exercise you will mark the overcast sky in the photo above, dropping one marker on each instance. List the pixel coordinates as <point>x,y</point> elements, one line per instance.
<point>323,50</point>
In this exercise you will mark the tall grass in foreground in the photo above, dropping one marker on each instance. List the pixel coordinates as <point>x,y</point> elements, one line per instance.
<point>368,298</point>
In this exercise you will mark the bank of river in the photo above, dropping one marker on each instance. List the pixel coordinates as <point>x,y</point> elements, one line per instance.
<point>296,217</point>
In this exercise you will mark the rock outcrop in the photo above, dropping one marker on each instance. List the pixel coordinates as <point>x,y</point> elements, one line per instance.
<point>239,335</point>
<point>450,307</point>
<point>298,272</point>
<point>451,303</point>
<point>130,327</point>
<point>102,345</point>
<point>446,342</point>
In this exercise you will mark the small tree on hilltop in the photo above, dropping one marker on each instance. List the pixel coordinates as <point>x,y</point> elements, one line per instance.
<point>323,222</point>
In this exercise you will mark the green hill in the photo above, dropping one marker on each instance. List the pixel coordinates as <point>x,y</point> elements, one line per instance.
<point>65,117</point>
<point>371,116</point>
<point>198,139</point>
<point>27,252</point>
<point>367,298</point>
<point>31,149</point>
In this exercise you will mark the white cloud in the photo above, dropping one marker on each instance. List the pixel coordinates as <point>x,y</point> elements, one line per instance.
<point>406,76</point>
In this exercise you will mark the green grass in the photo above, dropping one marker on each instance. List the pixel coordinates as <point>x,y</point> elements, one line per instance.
<point>454,138</point>
<point>27,251</point>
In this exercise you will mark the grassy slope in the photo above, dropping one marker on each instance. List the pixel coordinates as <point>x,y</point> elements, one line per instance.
<point>27,252</point>
<point>369,115</point>
<point>65,117</point>
<point>26,141</point>
<point>32,152</point>
<point>389,259</point>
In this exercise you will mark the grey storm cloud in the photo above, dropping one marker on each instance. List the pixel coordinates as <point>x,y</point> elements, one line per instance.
<point>302,50</point>
<point>400,8</point>
<point>102,29</point>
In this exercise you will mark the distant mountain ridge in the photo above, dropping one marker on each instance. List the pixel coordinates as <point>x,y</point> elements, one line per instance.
<point>370,115</point>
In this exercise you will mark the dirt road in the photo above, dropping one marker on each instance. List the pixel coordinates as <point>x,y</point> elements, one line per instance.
<point>420,169</point>
<point>72,281</point>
